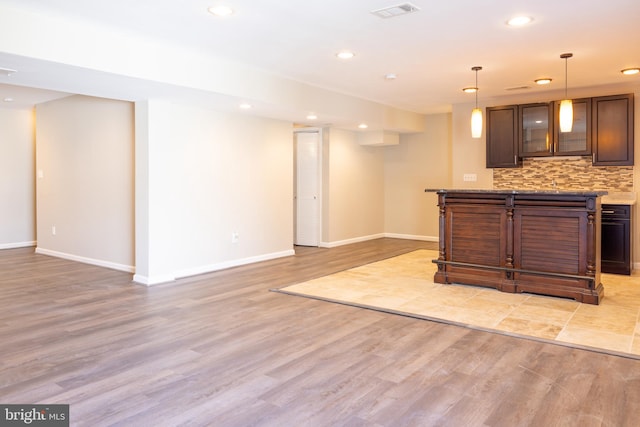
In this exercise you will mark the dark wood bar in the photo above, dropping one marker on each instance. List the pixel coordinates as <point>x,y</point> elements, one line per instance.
<point>542,242</point>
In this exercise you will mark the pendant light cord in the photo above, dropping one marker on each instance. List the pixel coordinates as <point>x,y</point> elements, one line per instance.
<point>566,57</point>
<point>476,88</point>
<point>566,76</point>
<point>476,69</point>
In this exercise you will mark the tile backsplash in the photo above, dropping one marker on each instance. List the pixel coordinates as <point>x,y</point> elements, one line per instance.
<point>564,173</point>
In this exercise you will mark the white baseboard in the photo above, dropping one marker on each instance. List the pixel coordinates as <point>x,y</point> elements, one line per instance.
<point>85,260</point>
<point>377,236</point>
<point>232,263</point>
<point>153,280</point>
<point>17,245</point>
<point>412,237</point>
<point>187,272</point>
<point>349,241</point>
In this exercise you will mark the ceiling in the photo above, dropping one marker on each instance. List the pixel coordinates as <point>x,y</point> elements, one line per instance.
<point>431,51</point>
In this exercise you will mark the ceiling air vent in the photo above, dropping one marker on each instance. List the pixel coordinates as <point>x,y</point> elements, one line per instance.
<point>6,71</point>
<point>397,10</point>
<point>518,88</point>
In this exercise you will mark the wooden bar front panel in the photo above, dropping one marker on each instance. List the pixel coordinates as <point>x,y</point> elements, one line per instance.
<point>531,242</point>
<point>477,236</point>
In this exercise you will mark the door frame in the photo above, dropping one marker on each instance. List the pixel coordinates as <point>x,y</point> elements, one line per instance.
<point>320,164</point>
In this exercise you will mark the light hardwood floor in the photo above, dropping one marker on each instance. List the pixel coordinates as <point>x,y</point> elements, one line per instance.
<point>220,349</point>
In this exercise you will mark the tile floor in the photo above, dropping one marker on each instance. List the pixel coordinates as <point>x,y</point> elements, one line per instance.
<point>405,284</point>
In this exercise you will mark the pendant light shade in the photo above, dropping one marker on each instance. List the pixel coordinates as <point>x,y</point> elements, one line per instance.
<point>476,114</point>
<point>476,123</point>
<point>566,115</point>
<point>566,106</point>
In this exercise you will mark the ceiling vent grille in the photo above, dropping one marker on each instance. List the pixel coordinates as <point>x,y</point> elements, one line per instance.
<point>397,10</point>
<point>518,88</point>
<point>6,71</point>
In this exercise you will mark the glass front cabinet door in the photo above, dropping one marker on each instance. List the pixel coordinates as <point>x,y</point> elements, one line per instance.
<point>578,141</point>
<point>536,124</point>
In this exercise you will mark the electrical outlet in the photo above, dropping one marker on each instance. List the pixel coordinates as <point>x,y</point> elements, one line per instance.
<point>53,230</point>
<point>470,177</point>
<point>235,237</point>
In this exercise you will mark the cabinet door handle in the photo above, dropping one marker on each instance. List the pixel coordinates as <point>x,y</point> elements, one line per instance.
<point>608,212</point>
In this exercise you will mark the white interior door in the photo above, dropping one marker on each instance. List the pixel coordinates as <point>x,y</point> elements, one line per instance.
<point>307,188</point>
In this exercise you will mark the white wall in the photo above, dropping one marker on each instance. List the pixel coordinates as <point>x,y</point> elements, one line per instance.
<point>353,189</point>
<point>202,175</point>
<point>84,153</point>
<point>469,154</point>
<point>420,161</point>
<point>17,175</point>
<point>209,174</point>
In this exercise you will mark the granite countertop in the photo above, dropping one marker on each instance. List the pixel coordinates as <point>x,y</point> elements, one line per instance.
<point>608,198</point>
<point>549,192</point>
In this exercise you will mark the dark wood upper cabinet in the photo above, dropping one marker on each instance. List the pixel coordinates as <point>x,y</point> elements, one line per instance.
<point>612,130</point>
<point>578,141</point>
<point>602,128</point>
<point>536,130</point>
<point>502,137</point>
<point>540,134</point>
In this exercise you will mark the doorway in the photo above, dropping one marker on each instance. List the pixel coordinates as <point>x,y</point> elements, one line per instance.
<point>307,187</point>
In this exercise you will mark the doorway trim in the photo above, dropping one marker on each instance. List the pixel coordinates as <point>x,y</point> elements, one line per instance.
<point>319,184</point>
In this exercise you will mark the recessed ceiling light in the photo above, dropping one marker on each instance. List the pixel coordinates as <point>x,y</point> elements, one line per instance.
<point>245,105</point>
<point>390,76</point>
<point>518,21</point>
<point>8,99</point>
<point>312,117</point>
<point>543,81</point>
<point>363,126</point>
<point>220,11</point>
<point>345,54</point>
<point>470,89</point>
<point>630,71</point>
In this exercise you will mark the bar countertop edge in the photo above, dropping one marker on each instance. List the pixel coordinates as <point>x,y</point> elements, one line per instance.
<point>503,191</point>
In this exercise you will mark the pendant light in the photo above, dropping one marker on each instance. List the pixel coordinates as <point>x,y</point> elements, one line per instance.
<point>566,106</point>
<point>476,114</point>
